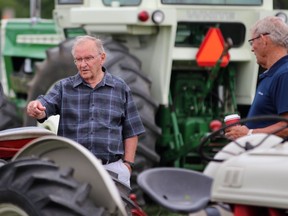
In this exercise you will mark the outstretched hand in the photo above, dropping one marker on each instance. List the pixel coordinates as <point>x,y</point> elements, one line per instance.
<point>36,110</point>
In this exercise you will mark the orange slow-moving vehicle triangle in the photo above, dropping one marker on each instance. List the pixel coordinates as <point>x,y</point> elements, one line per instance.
<point>211,49</point>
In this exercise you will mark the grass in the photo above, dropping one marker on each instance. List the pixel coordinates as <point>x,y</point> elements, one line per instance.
<point>151,208</point>
<point>155,210</point>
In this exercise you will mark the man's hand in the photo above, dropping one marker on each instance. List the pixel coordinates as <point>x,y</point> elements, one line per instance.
<point>129,164</point>
<point>235,132</point>
<point>36,110</point>
<point>129,167</point>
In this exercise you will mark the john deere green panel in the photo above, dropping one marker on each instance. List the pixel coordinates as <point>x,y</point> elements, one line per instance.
<point>30,40</point>
<point>25,43</point>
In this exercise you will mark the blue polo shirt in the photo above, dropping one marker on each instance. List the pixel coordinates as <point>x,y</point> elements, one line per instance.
<point>271,96</point>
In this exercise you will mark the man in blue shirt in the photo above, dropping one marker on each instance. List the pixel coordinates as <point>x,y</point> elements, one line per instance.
<point>96,109</point>
<point>269,43</point>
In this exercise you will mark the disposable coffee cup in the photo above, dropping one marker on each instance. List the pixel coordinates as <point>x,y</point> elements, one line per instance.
<point>231,119</point>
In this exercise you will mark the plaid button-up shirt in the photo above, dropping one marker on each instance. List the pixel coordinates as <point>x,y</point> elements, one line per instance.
<point>100,118</point>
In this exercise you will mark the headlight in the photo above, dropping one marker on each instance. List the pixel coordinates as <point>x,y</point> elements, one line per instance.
<point>158,17</point>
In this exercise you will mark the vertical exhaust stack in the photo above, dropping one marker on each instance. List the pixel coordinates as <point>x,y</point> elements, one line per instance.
<point>35,10</point>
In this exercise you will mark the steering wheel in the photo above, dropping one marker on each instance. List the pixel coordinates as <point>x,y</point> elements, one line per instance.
<point>242,143</point>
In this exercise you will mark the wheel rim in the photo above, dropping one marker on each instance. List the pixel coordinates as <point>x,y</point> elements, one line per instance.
<point>8,209</point>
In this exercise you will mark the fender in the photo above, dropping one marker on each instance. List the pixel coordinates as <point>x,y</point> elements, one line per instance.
<point>87,168</point>
<point>234,149</point>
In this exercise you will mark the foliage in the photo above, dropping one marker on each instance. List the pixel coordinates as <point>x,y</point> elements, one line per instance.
<point>156,210</point>
<point>21,8</point>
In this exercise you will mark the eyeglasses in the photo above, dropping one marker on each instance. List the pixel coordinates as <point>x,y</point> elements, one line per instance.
<point>251,40</point>
<point>86,60</point>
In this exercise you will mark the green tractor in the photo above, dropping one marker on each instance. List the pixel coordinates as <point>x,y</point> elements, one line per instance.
<point>23,45</point>
<point>184,80</point>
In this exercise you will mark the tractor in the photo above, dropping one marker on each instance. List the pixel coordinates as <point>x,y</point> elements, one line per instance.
<point>188,64</point>
<point>37,180</point>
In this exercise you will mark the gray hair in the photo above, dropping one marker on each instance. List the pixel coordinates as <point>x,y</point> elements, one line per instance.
<point>80,39</point>
<point>275,26</point>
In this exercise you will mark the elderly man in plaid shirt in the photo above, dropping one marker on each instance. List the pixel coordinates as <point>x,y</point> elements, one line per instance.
<point>96,109</point>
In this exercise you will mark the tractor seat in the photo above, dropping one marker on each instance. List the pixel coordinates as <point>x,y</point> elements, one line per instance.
<point>179,190</point>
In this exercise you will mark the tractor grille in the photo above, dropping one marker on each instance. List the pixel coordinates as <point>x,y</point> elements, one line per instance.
<point>192,34</point>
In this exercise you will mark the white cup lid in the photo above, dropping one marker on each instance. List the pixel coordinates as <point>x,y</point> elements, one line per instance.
<point>232,116</point>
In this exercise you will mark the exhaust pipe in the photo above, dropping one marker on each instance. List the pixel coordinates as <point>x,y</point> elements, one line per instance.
<point>35,10</point>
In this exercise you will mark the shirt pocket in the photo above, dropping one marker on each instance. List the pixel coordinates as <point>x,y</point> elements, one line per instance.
<point>109,117</point>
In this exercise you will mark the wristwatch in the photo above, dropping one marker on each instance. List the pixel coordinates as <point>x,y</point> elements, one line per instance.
<point>130,163</point>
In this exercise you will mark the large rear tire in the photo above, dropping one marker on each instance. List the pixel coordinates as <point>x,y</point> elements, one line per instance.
<point>9,115</point>
<point>120,62</point>
<point>37,187</point>
<point>58,65</point>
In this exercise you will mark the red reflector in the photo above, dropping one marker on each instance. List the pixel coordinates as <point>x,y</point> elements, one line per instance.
<point>215,125</point>
<point>143,16</point>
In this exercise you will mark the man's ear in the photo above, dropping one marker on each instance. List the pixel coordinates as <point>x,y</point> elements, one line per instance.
<point>265,39</point>
<point>103,57</point>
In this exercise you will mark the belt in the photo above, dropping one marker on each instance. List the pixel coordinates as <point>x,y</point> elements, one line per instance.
<point>111,160</point>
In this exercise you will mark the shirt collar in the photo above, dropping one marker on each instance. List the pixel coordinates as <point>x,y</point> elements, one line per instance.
<point>274,67</point>
<point>107,79</point>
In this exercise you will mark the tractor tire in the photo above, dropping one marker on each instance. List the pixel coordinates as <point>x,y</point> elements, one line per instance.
<point>1,95</point>
<point>121,63</point>
<point>59,64</point>
<point>34,187</point>
<point>9,115</point>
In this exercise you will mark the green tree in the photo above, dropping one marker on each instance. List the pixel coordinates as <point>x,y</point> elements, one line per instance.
<point>21,8</point>
<point>47,8</point>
